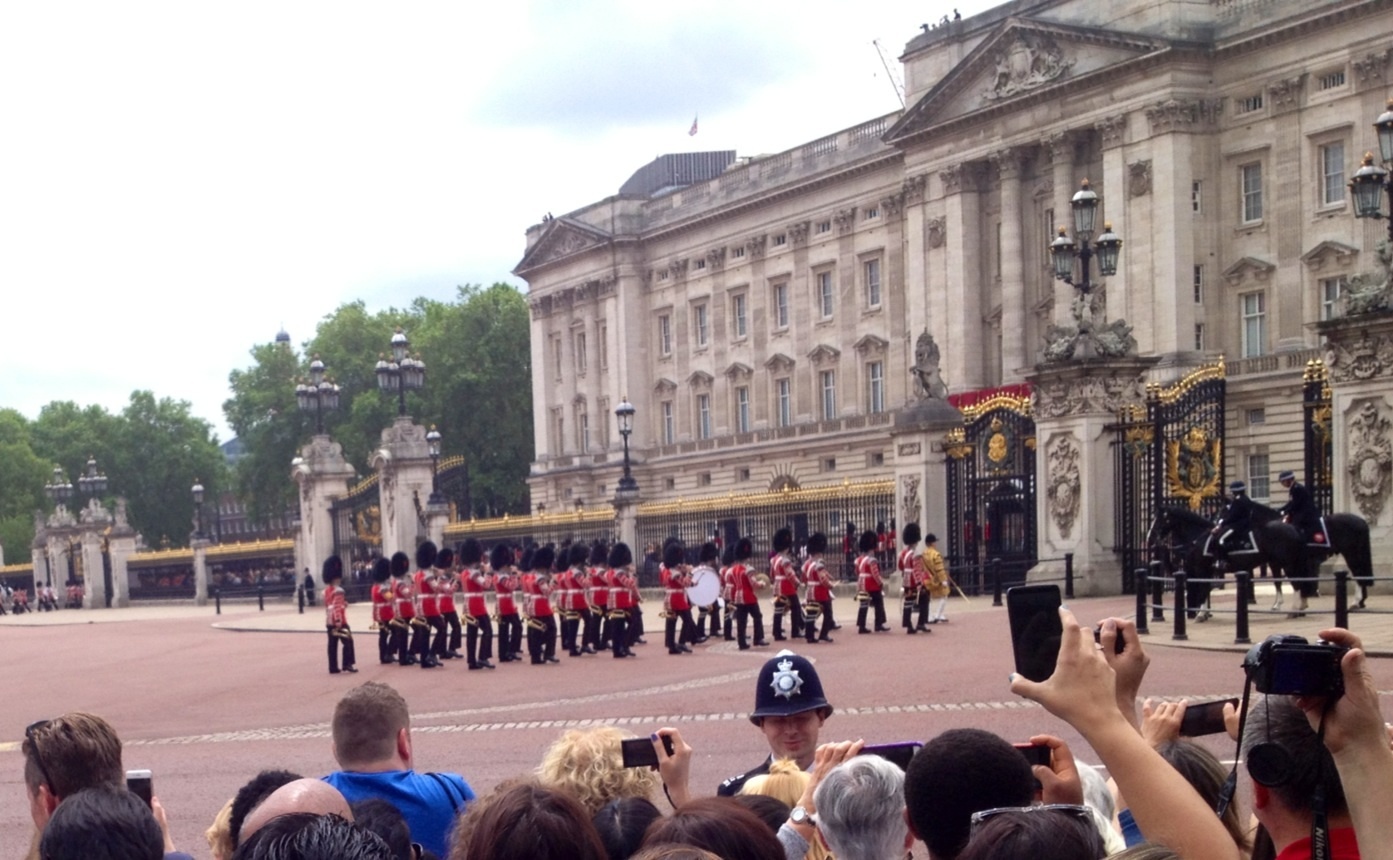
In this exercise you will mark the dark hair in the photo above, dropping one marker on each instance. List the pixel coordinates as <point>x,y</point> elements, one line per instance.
<point>307,836</point>
<point>524,821</point>
<point>1146,851</point>
<point>721,826</point>
<point>621,824</point>
<point>985,772</point>
<point>1203,770</point>
<point>1039,835</point>
<point>249,797</point>
<point>379,816</point>
<point>771,810</point>
<point>102,823</point>
<point>1276,720</point>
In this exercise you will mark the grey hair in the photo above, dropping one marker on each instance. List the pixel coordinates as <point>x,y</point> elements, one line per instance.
<point>1095,790</point>
<point>860,809</point>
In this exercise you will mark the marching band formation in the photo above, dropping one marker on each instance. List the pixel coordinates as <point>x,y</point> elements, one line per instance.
<point>587,597</point>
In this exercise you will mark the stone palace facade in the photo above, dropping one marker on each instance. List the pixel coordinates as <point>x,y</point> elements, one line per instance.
<point>762,313</point>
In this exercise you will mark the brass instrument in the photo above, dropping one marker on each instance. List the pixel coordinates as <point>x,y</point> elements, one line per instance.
<point>373,626</point>
<point>863,597</point>
<point>781,603</point>
<point>761,580</point>
<point>470,620</point>
<point>418,621</point>
<point>812,609</point>
<point>398,623</point>
<point>343,633</point>
<point>535,624</point>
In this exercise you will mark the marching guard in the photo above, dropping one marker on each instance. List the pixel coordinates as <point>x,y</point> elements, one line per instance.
<point>673,575</point>
<point>476,611</point>
<point>446,584</point>
<point>541,623</point>
<point>411,643</point>
<point>429,601</point>
<point>728,592</point>
<point>336,616</point>
<point>573,603</point>
<point>871,587</point>
<point>784,574</point>
<point>910,563</point>
<point>818,590</point>
<point>383,616</point>
<point>505,586</point>
<point>597,599</point>
<point>622,592</point>
<point>744,596</point>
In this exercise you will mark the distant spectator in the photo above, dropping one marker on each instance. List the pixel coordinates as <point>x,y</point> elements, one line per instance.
<point>102,823</point>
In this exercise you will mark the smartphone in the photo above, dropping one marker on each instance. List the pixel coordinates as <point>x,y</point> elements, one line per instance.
<point>138,782</point>
<point>638,752</point>
<point>1119,645</point>
<point>898,754</point>
<point>1036,630</point>
<point>1204,718</point>
<point>1034,754</point>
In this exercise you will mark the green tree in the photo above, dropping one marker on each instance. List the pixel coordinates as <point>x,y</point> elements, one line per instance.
<point>22,477</point>
<point>263,412</point>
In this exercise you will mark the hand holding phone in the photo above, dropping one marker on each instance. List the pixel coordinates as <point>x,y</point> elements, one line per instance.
<point>138,782</point>
<point>1036,631</point>
<point>899,754</point>
<point>1205,718</point>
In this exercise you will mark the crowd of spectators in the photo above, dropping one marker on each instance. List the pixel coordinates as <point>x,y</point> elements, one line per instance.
<point>1320,768</point>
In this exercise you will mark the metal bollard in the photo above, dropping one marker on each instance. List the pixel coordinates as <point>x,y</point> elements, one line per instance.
<point>1245,591</point>
<point>217,601</point>
<point>995,566</point>
<point>1179,635</point>
<point>300,594</point>
<point>1068,576</point>
<point>1342,599</point>
<point>1158,592</point>
<point>260,597</point>
<point>1139,586</point>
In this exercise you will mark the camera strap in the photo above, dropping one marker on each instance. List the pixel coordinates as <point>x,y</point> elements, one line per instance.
<point>1231,782</point>
<point>1320,824</point>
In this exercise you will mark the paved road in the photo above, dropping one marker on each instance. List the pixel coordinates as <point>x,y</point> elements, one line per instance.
<point>206,706</point>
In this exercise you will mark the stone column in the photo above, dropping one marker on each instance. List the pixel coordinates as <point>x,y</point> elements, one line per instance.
<point>960,330</point>
<point>90,543</point>
<point>1013,331</point>
<point>403,468</point>
<point>200,570</point>
<point>916,275</point>
<point>626,520</point>
<point>323,475</point>
<point>1059,149</point>
<point>1113,210</point>
<point>437,518</point>
<point>1075,401</point>
<point>921,478</point>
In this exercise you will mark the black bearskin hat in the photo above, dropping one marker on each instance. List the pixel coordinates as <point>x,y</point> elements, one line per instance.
<point>744,548</point>
<point>672,554</point>
<point>911,534</point>
<point>620,555</point>
<point>445,559</point>
<point>598,553</point>
<point>525,563</point>
<point>401,564</point>
<point>500,557</point>
<point>425,555</point>
<point>867,541</point>
<point>728,556</point>
<point>783,539</point>
<point>709,553</point>
<point>333,569</point>
<point>543,557</point>
<point>381,570</point>
<point>470,552</point>
<point>578,556</point>
<point>817,543</point>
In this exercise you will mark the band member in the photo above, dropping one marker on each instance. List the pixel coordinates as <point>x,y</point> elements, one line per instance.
<point>446,584</point>
<point>708,557</point>
<point>411,642</point>
<point>674,579</point>
<point>622,590</point>
<point>336,616</point>
<point>476,585</point>
<point>712,611</point>
<point>743,595</point>
<point>1300,510</point>
<point>596,599</point>
<point>910,564</point>
<point>728,592</point>
<point>817,590</point>
<point>384,618</point>
<point>937,580</point>
<point>541,625</point>
<point>784,574</point>
<point>573,603</point>
<point>505,585</point>
<point>429,600</point>
<point>870,584</point>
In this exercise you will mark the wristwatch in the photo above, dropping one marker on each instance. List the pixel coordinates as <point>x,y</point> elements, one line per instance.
<point>799,815</point>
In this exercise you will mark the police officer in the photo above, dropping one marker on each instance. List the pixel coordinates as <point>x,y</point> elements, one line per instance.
<point>1236,521</point>
<point>790,709</point>
<point>1300,510</point>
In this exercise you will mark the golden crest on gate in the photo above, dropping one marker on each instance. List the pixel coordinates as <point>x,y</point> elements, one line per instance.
<point>998,444</point>
<point>1192,467</point>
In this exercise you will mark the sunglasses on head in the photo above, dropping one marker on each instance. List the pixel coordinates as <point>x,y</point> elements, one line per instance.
<point>1080,813</point>
<point>31,734</point>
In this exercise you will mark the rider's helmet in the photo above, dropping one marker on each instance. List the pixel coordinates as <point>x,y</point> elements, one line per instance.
<point>1286,478</point>
<point>1238,488</point>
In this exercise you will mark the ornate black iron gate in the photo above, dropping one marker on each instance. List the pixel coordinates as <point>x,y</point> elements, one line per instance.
<point>991,488</point>
<point>1320,450</point>
<point>357,517</point>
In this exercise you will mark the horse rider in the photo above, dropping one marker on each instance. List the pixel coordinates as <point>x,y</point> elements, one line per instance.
<point>1300,510</point>
<point>1236,522</point>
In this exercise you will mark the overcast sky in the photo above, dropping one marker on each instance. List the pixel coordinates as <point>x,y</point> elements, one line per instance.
<point>180,180</point>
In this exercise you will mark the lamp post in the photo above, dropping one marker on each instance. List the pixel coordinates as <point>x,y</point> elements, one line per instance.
<point>91,483</point>
<point>402,373</point>
<point>319,395</point>
<point>1370,182</point>
<point>433,444</point>
<point>1064,250</point>
<point>197,509</point>
<point>625,413</point>
<point>59,490</point>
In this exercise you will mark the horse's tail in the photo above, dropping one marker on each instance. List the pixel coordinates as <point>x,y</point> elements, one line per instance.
<point>1358,554</point>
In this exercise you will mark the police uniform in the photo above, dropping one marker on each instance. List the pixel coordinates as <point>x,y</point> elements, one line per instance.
<point>784,574</point>
<point>384,618</point>
<point>1236,521</point>
<point>818,586</point>
<point>424,580</point>
<point>869,583</point>
<point>336,617</point>
<point>788,685</point>
<point>1300,510</point>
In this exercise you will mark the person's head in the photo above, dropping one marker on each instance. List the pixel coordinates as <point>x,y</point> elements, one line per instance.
<point>817,543</point>
<point>470,552</point>
<point>314,796</point>
<point>860,810</point>
<point>621,824</point>
<point>65,755</point>
<point>500,557</point>
<point>1146,851</point>
<point>744,549</point>
<point>401,564</point>
<point>578,555</point>
<point>1039,832</point>
<point>1287,478</point>
<point>867,542</point>
<point>1287,762</point>
<point>376,815</point>
<point>719,825</point>
<point>985,772</point>
<point>910,535</point>
<point>587,765</point>
<point>620,556</point>
<point>783,540</point>
<point>790,707</point>
<point>526,821</point>
<point>772,811</point>
<point>445,559</point>
<point>598,553</point>
<point>1237,488</point>
<point>381,570</point>
<point>425,555</point>
<point>102,823</point>
<point>785,781</point>
<point>1203,770</point>
<point>672,555</point>
<point>672,851</point>
<point>249,797</point>
<point>372,727</point>
<point>930,539</point>
<point>219,834</point>
<point>310,836</point>
<point>1095,790</point>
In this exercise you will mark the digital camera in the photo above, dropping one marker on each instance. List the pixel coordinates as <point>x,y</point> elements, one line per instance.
<point>1291,666</point>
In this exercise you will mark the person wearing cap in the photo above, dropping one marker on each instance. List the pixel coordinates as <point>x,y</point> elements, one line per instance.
<point>429,601</point>
<point>870,584</point>
<point>412,642</point>
<point>1236,521</point>
<point>674,579</point>
<point>336,616</point>
<point>476,583</point>
<point>743,595</point>
<point>505,587</point>
<point>619,579</point>
<point>790,709</point>
<point>446,584</point>
<point>1300,510</point>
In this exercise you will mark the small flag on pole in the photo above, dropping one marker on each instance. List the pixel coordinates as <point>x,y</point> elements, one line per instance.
<point>693,130</point>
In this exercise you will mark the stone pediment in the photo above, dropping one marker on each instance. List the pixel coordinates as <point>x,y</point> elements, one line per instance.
<point>1326,251</point>
<point>738,371</point>
<point>700,379</point>
<point>664,386</point>
<point>561,238</point>
<point>1247,267</point>
<point>870,345</point>
<point>779,363</point>
<point>824,354</point>
<point>1023,57</point>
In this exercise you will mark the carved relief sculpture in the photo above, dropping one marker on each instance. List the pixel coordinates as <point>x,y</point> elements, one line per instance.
<point>1056,398</point>
<point>1064,483</point>
<point>928,378</point>
<point>1370,459</point>
<point>1364,359</point>
<point>845,218</point>
<point>910,494</point>
<point>1371,292</point>
<point>754,246</point>
<point>798,232</point>
<point>937,230</point>
<point>1139,178</point>
<point>913,188</point>
<point>1370,68</point>
<point>1027,62</point>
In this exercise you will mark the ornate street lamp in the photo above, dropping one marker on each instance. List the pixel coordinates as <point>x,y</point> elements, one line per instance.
<point>402,373</point>
<point>1065,250</point>
<point>625,413</point>
<point>318,395</point>
<point>433,443</point>
<point>92,483</point>
<point>197,509</point>
<point>59,490</point>
<point>1370,181</point>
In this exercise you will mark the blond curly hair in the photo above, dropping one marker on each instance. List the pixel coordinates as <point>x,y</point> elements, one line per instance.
<point>785,781</point>
<point>587,765</point>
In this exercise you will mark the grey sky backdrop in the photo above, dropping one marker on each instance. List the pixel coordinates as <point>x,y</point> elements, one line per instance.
<point>179,180</point>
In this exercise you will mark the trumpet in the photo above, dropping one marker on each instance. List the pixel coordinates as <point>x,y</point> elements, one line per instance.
<point>535,624</point>
<point>418,621</point>
<point>343,633</point>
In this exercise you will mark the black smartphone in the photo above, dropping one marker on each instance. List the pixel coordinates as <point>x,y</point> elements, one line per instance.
<point>638,752</point>
<point>898,754</point>
<point>138,782</point>
<point>1204,718</point>
<point>1036,630</point>
<point>1034,754</point>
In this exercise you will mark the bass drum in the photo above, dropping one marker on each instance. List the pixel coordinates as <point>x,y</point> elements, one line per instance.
<point>705,587</point>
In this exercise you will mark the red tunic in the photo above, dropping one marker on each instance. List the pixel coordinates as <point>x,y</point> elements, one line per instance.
<point>727,584</point>
<point>573,600</point>
<point>620,583</point>
<point>743,585</point>
<point>816,578</point>
<point>446,585</point>
<point>475,584</point>
<point>335,606</point>
<point>382,603</point>
<point>405,597</point>
<point>911,567</point>
<point>537,590</point>
<point>867,573</point>
<point>597,589</point>
<point>425,586</point>
<point>504,585</point>
<point>785,576</point>
<point>676,582</point>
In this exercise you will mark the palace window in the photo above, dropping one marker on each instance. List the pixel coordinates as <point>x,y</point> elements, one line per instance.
<point>826,295</point>
<point>781,306</point>
<point>1332,174</point>
<point>1253,309</point>
<point>1330,291</point>
<point>828,381</point>
<point>875,386</point>
<point>580,352</point>
<point>665,335</point>
<point>742,409</point>
<point>871,270</point>
<point>701,325</point>
<point>703,416</point>
<point>1259,486</point>
<point>1250,187</point>
<point>739,314</point>
<point>1199,284</point>
<point>669,423</point>
<point>783,401</point>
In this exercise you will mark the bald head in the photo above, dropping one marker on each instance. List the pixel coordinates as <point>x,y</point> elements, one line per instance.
<point>303,795</point>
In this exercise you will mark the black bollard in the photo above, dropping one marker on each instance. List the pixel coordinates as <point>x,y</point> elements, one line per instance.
<point>260,597</point>
<point>1068,576</point>
<point>1342,599</point>
<point>1158,592</point>
<point>1245,590</point>
<point>300,593</point>
<point>1139,586</point>
<point>217,601</point>
<point>995,566</point>
<point>1179,635</point>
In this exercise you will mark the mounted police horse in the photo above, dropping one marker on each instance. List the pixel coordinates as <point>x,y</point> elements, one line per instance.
<point>1183,537</point>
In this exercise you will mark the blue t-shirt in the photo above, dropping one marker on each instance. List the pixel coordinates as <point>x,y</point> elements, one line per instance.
<point>428,801</point>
